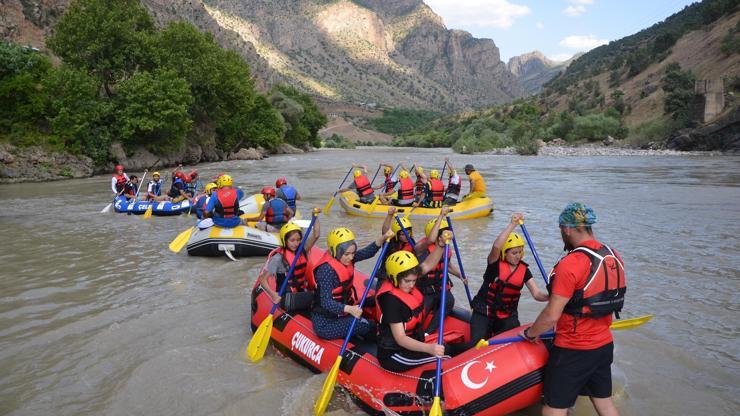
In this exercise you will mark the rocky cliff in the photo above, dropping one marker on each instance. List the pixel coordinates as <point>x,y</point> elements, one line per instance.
<point>388,52</point>
<point>533,70</point>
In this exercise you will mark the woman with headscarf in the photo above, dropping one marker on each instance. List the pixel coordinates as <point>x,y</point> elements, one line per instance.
<point>335,300</point>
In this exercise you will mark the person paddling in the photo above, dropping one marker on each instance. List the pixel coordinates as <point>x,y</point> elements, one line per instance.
<point>454,186</point>
<point>586,287</point>
<point>178,188</point>
<point>287,193</point>
<point>398,242</point>
<point>201,200</point>
<point>223,205</point>
<point>131,188</point>
<point>118,181</point>
<point>361,185</point>
<point>275,212</point>
<point>335,299</point>
<point>434,190</point>
<point>280,259</point>
<point>404,191</point>
<point>154,189</point>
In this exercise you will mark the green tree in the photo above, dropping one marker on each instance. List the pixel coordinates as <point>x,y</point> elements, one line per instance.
<point>110,39</point>
<point>679,91</point>
<point>305,124</point>
<point>151,109</point>
<point>261,126</point>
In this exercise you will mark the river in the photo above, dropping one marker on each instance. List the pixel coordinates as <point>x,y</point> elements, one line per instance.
<point>98,317</point>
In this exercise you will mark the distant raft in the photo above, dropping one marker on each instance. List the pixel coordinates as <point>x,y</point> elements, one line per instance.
<point>164,208</point>
<point>470,208</point>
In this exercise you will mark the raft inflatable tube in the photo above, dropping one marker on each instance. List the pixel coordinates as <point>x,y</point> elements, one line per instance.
<point>494,380</point>
<point>121,205</point>
<point>241,241</point>
<point>471,208</point>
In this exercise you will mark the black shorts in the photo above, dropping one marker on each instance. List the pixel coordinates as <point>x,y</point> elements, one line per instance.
<point>570,373</point>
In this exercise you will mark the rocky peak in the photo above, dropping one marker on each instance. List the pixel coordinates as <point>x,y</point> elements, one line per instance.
<point>529,62</point>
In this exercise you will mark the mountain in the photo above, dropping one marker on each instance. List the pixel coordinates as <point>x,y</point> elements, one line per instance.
<point>534,69</point>
<point>388,52</point>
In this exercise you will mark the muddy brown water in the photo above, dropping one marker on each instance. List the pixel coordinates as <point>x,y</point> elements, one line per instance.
<point>97,317</point>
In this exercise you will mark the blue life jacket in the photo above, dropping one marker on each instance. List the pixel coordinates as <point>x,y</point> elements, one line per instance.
<point>177,185</point>
<point>157,187</point>
<point>200,206</point>
<point>290,194</point>
<point>275,214</point>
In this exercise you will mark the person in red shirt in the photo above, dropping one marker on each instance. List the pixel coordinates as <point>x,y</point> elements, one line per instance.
<point>580,360</point>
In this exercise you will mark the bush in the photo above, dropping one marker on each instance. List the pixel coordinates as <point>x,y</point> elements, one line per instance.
<point>652,131</point>
<point>597,127</point>
<point>397,121</point>
<point>679,91</point>
<point>338,142</point>
<point>470,143</point>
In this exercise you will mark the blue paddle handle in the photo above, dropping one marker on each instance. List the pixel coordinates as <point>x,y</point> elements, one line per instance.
<point>364,295</point>
<point>406,233</point>
<point>440,338</point>
<point>534,253</point>
<point>375,176</point>
<point>293,263</point>
<point>517,339</point>
<point>442,175</point>
<point>345,177</point>
<point>459,261</point>
<point>395,170</point>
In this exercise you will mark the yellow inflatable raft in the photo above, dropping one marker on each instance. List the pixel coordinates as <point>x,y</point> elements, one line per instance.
<point>471,208</point>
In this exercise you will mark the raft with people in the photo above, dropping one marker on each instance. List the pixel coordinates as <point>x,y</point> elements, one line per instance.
<point>467,209</point>
<point>164,208</point>
<point>489,381</point>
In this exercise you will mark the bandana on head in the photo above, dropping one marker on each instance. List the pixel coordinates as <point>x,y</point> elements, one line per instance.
<point>576,214</point>
<point>342,248</point>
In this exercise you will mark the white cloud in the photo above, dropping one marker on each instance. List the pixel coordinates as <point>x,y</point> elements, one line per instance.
<point>581,1</point>
<point>540,25</point>
<point>574,11</point>
<point>582,43</point>
<point>560,57</point>
<point>484,13</point>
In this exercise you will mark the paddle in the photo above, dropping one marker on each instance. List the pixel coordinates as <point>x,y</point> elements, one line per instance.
<point>459,262</point>
<point>329,203</point>
<point>371,207</point>
<point>331,379</point>
<point>406,215</point>
<point>534,251</point>
<point>436,409</point>
<point>442,175</point>
<point>109,206</point>
<point>406,232</point>
<point>179,242</point>
<point>622,324</point>
<point>375,176</point>
<point>261,338</point>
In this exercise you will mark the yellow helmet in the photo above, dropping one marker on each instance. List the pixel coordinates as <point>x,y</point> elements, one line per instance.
<point>512,241</point>
<point>430,225</point>
<point>357,173</point>
<point>399,262</point>
<point>434,174</point>
<point>419,170</point>
<point>387,170</point>
<point>209,188</point>
<point>287,228</point>
<point>155,174</point>
<point>338,236</point>
<point>406,224</point>
<point>403,174</point>
<point>453,172</point>
<point>224,180</point>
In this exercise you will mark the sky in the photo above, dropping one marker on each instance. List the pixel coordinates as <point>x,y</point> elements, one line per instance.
<point>557,28</point>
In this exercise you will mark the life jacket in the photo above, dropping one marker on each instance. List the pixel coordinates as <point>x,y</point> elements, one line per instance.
<point>290,194</point>
<point>437,190</point>
<point>389,184</point>
<point>227,202</point>
<point>345,292</point>
<point>200,205</point>
<point>363,185</point>
<point>177,185</point>
<point>277,212</point>
<point>406,189</point>
<point>156,187</point>
<point>454,188</point>
<point>418,186</point>
<point>191,186</point>
<point>298,282</point>
<point>432,281</point>
<point>605,286</point>
<point>120,182</point>
<point>130,189</point>
<point>502,297</point>
<point>414,327</point>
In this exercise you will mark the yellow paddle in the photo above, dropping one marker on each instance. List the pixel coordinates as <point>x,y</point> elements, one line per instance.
<point>331,379</point>
<point>329,203</point>
<point>406,215</point>
<point>148,213</point>
<point>179,242</point>
<point>261,338</point>
<point>621,324</point>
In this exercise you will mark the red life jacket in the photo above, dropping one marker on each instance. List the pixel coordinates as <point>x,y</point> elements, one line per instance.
<point>298,281</point>
<point>227,202</point>
<point>120,182</point>
<point>432,281</point>
<point>389,184</point>
<point>418,186</point>
<point>345,292</point>
<point>414,300</point>
<point>454,188</point>
<point>502,298</point>
<point>438,190</point>
<point>277,212</point>
<point>363,185</point>
<point>605,287</point>
<point>406,189</point>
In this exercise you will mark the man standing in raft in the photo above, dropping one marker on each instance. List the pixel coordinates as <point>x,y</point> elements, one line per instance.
<point>335,297</point>
<point>477,184</point>
<point>586,287</point>
<point>118,181</point>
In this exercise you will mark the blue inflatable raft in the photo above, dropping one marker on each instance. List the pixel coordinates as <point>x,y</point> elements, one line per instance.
<point>158,208</point>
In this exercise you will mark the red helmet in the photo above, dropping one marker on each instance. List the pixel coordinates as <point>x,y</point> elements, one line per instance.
<point>193,173</point>
<point>268,190</point>
<point>180,175</point>
<point>280,182</point>
<point>119,167</point>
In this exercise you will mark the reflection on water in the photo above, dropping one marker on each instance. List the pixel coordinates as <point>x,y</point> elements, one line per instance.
<point>98,317</point>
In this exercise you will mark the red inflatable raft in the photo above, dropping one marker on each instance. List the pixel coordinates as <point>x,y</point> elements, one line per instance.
<point>495,380</point>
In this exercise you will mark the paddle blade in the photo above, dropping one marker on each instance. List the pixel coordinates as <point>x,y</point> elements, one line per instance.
<point>328,205</point>
<point>482,343</point>
<point>148,213</point>
<point>179,242</point>
<point>372,206</point>
<point>326,392</point>
<point>406,215</point>
<point>261,338</point>
<point>436,409</point>
<point>106,209</point>
<point>631,323</point>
